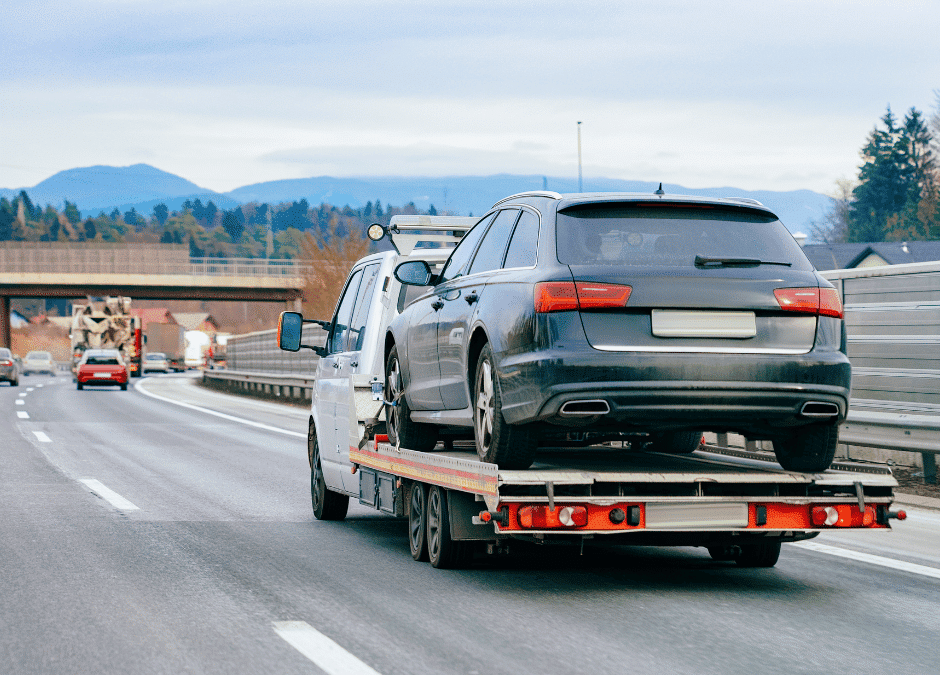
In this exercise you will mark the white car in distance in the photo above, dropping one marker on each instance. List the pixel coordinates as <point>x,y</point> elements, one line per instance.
<point>156,362</point>
<point>39,362</point>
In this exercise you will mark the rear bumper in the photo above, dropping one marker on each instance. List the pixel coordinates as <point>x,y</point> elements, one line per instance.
<point>751,394</point>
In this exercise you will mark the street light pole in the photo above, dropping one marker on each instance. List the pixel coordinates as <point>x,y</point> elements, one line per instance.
<point>580,186</point>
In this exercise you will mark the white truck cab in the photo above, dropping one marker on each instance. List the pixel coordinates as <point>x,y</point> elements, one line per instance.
<point>351,359</point>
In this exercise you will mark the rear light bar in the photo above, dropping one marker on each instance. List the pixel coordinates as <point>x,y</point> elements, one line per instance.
<point>565,296</point>
<point>521,517</point>
<point>818,301</point>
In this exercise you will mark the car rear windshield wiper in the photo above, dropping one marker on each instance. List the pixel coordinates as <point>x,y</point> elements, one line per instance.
<point>731,262</point>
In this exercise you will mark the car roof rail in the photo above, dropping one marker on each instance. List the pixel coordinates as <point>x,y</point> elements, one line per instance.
<point>407,231</point>
<point>532,193</point>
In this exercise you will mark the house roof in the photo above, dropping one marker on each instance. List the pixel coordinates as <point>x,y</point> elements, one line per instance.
<point>153,315</point>
<point>846,256</point>
<point>195,320</point>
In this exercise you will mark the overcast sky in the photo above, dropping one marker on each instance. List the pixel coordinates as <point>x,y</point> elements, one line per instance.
<point>757,95</point>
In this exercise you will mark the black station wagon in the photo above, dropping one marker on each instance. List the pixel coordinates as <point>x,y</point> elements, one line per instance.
<point>644,318</point>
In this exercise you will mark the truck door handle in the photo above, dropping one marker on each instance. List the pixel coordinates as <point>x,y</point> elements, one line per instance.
<point>437,304</point>
<point>472,298</point>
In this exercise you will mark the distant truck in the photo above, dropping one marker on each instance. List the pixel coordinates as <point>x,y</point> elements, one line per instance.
<point>167,338</point>
<point>106,322</point>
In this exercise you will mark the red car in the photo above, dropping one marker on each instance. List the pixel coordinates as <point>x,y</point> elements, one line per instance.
<point>102,367</point>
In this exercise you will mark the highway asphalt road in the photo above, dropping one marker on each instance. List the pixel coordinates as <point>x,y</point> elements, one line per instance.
<point>142,536</point>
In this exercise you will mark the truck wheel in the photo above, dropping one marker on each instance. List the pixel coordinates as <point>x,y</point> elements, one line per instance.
<point>401,430</point>
<point>327,505</point>
<point>808,449</point>
<point>759,555</point>
<point>418,522</point>
<point>443,551</point>
<point>675,442</point>
<point>510,446</point>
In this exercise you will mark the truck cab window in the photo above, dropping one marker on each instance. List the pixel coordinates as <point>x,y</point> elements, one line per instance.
<point>340,332</point>
<point>361,314</point>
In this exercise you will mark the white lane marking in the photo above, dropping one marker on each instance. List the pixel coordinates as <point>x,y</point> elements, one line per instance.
<point>22,414</point>
<point>22,394</point>
<point>241,420</point>
<point>922,570</point>
<point>326,654</point>
<point>38,386</point>
<point>29,388</point>
<point>20,401</point>
<point>109,495</point>
<point>41,437</point>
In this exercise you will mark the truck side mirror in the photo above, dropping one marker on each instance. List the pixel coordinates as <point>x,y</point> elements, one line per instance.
<point>289,329</point>
<point>414,273</point>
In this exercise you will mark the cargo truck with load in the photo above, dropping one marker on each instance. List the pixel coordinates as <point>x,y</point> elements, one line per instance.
<point>106,323</point>
<point>587,478</point>
<point>169,340</point>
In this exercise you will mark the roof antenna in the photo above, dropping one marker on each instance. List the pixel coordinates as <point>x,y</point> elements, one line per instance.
<point>660,191</point>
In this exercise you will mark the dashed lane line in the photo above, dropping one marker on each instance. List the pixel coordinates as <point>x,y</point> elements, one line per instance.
<point>22,414</point>
<point>42,437</point>
<point>900,565</point>
<point>20,401</point>
<point>109,495</point>
<point>324,652</point>
<point>233,418</point>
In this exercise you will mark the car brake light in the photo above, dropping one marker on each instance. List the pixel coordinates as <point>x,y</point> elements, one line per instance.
<point>564,296</point>
<point>542,518</point>
<point>818,301</point>
<point>6,363</point>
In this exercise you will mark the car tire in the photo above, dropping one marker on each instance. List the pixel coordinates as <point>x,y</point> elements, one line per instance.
<point>15,383</point>
<point>327,505</point>
<point>675,442</point>
<point>808,449</point>
<point>401,430</point>
<point>443,551</point>
<point>124,386</point>
<point>418,522</point>
<point>79,386</point>
<point>511,446</point>
<point>758,555</point>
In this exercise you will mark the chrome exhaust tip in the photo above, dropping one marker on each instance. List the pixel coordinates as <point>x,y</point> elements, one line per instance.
<point>819,409</point>
<point>584,408</point>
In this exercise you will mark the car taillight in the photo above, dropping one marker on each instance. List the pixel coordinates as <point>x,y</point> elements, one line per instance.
<point>542,518</point>
<point>564,296</point>
<point>6,363</point>
<point>818,301</point>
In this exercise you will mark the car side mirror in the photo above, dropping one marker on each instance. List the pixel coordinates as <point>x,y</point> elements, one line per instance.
<point>414,273</point>
<point>289,330</point>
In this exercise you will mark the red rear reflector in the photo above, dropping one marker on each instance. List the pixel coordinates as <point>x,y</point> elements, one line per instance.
<point>565,296</point>
<point>542,518</point>
<point>819,301</point>
<point>381,438</point>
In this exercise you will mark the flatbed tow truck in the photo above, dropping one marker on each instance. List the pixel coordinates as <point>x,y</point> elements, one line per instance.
<point>740,505</point>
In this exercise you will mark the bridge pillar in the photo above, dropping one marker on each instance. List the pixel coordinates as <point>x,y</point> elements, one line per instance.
<point>6,340</point>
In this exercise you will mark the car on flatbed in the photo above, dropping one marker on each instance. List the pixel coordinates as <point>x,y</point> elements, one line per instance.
<point>101,367</point>
<point>614,490</point>
<point>641,318</point>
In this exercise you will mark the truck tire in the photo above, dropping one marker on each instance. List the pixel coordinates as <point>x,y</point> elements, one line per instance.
<point>418,522</point>
<point>808,449</point>
<point>675,442</point>
<point>401,430</point>
<point>327,505</point>
<point>508,445</point>
<point>758,555</point>
<point>443,551</point>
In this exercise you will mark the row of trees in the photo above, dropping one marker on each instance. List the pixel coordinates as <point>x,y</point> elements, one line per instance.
<point>896,196</point>
<point>252,230</point>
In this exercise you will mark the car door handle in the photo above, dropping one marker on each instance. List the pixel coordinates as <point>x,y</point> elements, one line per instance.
<point>472,298</point>
<point>437,304</point>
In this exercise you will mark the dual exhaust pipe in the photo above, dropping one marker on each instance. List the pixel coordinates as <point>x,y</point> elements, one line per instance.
<point>594,407</point>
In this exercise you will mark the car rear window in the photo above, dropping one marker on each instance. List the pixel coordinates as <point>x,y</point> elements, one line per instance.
<point>670,235</point>
<point>102,361</point>
<point>39,355</point>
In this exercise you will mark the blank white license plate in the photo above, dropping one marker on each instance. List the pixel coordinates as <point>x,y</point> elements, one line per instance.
<point>695,516</point>
<point>677,323</point>
<point>103,376</point>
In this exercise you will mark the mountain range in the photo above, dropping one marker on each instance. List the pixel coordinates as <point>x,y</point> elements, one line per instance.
<point>103,188</point>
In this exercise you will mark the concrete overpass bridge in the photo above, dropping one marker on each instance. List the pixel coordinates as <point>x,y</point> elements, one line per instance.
<point>150,271</point>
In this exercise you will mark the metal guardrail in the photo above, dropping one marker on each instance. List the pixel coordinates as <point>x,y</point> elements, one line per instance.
<point>158,259</point>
